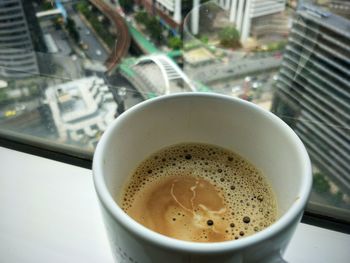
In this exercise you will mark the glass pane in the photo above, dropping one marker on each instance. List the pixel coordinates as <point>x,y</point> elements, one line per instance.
<point>68,68</point>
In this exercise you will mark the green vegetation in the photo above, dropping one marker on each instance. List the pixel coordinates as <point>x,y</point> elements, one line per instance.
<point>229,37</point>
<point>175,53</point>
<point>202,87</point>
<point>126,66</point>
<point>275,46</point>
<point>72,30</point>
<point>102,30</point>
<point>155,29</point>
<point>47,5</point>
<point>192,45</point>
<point>151,95</point>
<point>3,95</point>
<point>204,39</point>
<point>146,45</point>
<point>321,184</point>
<point>141,17</point>
<point>58,22</point>
<point>127,5</point>
<point>175,43</point>
<point>151,24</point>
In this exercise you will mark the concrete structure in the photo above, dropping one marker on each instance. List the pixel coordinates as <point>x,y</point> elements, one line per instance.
<point>17,58</point>
<point>49,13</point>
<point>169,71</point>
<point>340,7</point>
<point>171,8</point>
<point>81,109</point>
<point>168,10</point>
<point>244,13</point>
<point>313,89</point>
<point>156,75</point>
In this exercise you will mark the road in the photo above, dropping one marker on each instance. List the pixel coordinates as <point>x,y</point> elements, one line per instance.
<point>132,96</point>
<point>217,71</point>
<point>123,38</point>
<point>87,37</point>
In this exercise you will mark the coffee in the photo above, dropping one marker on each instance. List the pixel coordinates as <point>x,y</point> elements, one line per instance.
<point>199,192</point>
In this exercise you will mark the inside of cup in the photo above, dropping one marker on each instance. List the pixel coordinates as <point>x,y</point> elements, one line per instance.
<point>241,127</point>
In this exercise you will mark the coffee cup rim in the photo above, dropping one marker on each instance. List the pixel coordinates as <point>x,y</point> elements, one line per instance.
<point>160,240</point>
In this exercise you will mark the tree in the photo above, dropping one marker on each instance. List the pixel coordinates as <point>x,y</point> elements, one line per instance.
<point>155,29</point>
<point>142,17</point>
<point>47,5</point>
<point>83,8</point>
<point>3,95</point>
<point>320,184</point>
<point>229,37</point>
<point>70,23</point>
<point>72,30</point>
<point>204,39</point>
<point>127,5</point>
<point>175,43</point>
<point>58,21</point>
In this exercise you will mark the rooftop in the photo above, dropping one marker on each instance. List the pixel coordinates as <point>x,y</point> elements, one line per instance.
<point>326,19</point>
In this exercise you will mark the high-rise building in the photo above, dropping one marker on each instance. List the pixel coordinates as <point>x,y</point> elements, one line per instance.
<point>17,58</point>
<point>313,89</point>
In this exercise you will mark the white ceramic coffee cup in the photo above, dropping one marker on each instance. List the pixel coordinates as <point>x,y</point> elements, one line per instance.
<point>256,134</point>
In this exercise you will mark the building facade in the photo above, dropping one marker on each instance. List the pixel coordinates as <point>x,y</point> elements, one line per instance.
<point>313,89</point>
<point>168,10</point>
<point>244,14</point>
<point>17,58</point>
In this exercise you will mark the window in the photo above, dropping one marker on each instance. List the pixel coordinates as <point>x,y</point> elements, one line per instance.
<point>68,69</point>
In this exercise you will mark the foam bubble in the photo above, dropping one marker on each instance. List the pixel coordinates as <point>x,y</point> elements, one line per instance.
<point>246,199</point>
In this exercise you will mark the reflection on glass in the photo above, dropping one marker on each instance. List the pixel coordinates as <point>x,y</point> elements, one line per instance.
<point>68,68</point>
<point>236,49</point>
<point>312,96</point>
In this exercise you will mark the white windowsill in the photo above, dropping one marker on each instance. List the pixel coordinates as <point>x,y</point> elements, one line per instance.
<point>49,213</point>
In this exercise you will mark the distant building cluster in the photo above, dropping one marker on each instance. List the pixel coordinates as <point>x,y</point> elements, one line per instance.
<point>249,16</point>
<point>81,109</point>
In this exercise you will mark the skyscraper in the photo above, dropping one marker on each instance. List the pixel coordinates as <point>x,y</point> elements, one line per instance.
<point>313,89</point>
<point>17,58</point>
